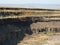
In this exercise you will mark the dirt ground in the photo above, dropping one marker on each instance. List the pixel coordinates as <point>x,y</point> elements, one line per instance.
<point>41,39</point>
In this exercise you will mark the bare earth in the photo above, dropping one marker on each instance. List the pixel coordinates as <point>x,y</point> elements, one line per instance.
<point>41,40</point>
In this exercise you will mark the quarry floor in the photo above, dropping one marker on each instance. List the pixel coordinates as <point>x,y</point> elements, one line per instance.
<point>41,39</point>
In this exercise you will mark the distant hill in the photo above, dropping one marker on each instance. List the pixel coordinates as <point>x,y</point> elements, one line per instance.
<point>47,6</point>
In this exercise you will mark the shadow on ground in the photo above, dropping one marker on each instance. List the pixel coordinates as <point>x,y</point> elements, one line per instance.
<point>13,31</point>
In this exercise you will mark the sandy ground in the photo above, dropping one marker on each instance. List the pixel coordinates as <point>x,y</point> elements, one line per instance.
<point>55,41</point>
<point>41,40</point>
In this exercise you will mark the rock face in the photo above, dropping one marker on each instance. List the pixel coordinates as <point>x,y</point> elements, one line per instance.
<point>15,23</point>
<point>51,27</point>
<point>11,32</point>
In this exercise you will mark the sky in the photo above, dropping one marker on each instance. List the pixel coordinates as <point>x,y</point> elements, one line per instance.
<point>31,3</point>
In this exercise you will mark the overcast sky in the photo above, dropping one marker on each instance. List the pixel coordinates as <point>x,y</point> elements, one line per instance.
<point>32,3</point>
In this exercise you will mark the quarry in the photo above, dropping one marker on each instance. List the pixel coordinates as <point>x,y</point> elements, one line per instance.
<point>29,26</point>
